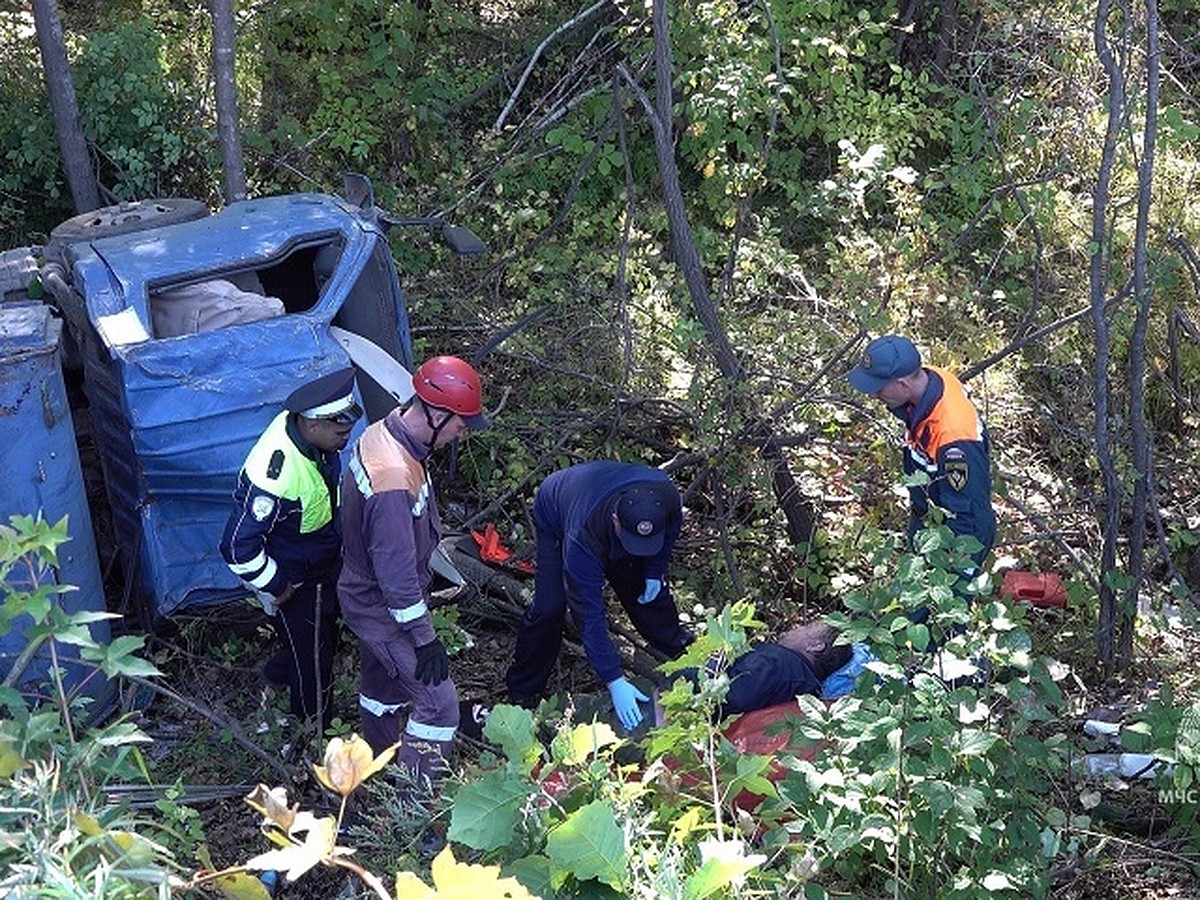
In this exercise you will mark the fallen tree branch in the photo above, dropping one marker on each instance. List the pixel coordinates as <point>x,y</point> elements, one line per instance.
<point>234,729</point>
<point>1020,343</point>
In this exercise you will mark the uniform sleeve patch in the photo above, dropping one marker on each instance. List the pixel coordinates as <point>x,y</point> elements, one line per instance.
<point>956,469</point>
<point>262,507</point>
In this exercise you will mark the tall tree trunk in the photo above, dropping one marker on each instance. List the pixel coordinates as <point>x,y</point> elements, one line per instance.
<point>77,164</point>
<point>801,519</point>
<point>1106,623</point>
<point>228,125</point>
<point>1143,457</point>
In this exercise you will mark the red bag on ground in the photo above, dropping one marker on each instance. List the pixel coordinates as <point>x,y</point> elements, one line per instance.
<point>1042,589</point>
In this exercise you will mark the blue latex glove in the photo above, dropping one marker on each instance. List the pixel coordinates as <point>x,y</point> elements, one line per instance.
<point>653,586</point>
<point>625,699</point>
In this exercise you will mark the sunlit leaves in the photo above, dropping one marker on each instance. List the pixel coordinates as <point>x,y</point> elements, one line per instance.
<point>722,863</point>
<point>313,842</point>
<point>302,839</point>
<point>583,742</point>
<point>454,880</point>
<point>349,762</point>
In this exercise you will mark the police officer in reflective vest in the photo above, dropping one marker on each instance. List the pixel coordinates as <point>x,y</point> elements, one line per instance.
<point>944,438</point>
<point>283,538</point>
<point>392,528</point>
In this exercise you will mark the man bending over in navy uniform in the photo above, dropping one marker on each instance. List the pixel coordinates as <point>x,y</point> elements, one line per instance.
<point>595,522</point>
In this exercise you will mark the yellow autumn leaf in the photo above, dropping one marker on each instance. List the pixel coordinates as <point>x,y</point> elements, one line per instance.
<point>349,762</point>
<point>410,887</point>
<point>135,848</point>
<point>272,803</point>
<point>241,886</point>
<point>460,881</point>
<point>587,740</point>
<point>319,845</point>
<point>87,824</point>
<point>453,880</point>
<point>10,760</point>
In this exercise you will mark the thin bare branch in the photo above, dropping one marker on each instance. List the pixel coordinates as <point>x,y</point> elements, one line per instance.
<point>537,53</point>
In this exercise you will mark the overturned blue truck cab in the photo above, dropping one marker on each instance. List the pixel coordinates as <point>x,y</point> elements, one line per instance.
<point>191,329</point>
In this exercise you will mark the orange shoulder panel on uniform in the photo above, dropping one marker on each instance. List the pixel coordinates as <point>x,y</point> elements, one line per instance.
<point>953,418</point>
<point>389,466</point>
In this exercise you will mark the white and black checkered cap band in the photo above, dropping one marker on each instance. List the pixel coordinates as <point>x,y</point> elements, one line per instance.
<point>330,409</point>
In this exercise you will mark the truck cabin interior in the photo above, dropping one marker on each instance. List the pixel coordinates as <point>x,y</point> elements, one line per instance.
<point>288,284</point>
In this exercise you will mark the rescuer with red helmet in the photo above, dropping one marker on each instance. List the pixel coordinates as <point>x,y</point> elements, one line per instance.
<point>391,529</point>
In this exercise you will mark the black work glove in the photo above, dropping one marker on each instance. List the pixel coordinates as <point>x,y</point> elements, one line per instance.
<point>433,665</point>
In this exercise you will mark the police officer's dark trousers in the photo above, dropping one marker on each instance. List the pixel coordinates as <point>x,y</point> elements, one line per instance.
<point>307,628</point>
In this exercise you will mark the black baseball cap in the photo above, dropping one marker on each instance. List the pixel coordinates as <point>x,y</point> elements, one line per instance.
<point>642,517</point>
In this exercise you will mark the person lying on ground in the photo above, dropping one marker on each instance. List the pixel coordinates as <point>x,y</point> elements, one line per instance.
<point>797,662</point>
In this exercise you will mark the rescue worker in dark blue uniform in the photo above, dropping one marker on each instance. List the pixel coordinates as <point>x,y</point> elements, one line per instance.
<point>945,437</point>
<point>283,538</point>
<point>596,522</point>
<point>768,674</point>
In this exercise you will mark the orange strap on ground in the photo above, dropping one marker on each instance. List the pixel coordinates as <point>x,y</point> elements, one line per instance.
<point>491,550</point>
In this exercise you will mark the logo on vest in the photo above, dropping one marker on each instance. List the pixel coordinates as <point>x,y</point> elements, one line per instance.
<point>262,507</point>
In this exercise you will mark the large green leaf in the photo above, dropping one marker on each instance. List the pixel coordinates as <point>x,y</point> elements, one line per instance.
<point>512,728</point>
<point>750,776</point>
<point>589,844</point>
<point>723,862</point>
<point>973,742</point>
<point>486,811</point>
<point>533,872</point>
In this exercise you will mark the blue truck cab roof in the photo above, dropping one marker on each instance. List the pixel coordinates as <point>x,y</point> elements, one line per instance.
<point>195,333</point>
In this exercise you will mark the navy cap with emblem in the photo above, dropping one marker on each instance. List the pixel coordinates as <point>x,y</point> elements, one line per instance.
<point>885,359</point>
<point>328,397</point>
<point>642,517</point>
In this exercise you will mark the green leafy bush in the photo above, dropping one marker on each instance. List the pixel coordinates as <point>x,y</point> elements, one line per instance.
<point>61,836</point>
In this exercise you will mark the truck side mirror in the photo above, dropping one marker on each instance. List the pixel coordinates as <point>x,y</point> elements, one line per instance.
<point>358,190</point>
<point>462,240</point>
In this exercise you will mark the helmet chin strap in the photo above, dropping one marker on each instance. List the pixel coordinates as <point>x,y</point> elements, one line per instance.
<point>434,430</point>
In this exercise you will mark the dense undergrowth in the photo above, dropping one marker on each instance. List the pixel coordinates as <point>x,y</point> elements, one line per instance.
<point>923,782</point>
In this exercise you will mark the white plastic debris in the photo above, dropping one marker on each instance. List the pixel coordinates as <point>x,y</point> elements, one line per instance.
<point>1123,765</point>
<point>1100,729</point>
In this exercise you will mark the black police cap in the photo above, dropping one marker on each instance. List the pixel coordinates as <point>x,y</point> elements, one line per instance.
<point>328,397</point>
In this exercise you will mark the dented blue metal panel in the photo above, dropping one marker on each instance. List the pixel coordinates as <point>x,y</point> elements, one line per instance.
<point>175,417</point>
<point>42,474</point>
<point>115,273</point>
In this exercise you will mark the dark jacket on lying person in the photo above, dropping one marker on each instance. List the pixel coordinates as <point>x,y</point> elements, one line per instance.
<point>773,673</point>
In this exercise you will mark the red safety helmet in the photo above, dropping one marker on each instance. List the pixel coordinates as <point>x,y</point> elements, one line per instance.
<point>450,383</point>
